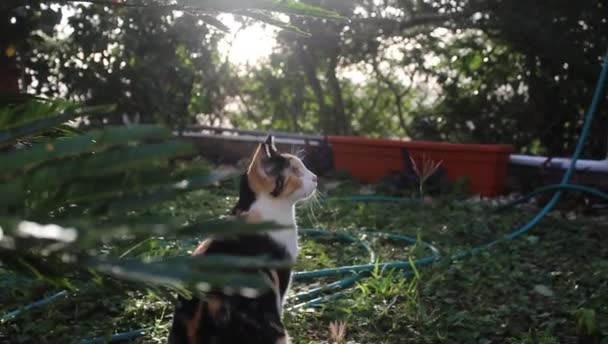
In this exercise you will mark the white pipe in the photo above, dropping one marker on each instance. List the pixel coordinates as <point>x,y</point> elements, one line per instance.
<point>563,163</point>
<point>250,138</point>
<point>516,159</point>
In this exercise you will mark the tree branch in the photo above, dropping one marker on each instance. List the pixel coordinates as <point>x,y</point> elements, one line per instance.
<point>392,25</point>
<point>340,122</point>
<point>399,94</point>
<point>315,84</point>
<point>112,3</point>
<point>374,101</point>
<point>248,111</point>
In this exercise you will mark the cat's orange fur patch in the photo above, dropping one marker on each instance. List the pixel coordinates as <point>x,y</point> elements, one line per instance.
<point>253,216</point>
<point>202,247</point>
<point>292,183</point>
<point>258,182</point>
<point>216,309</point>
<point>282,340</point>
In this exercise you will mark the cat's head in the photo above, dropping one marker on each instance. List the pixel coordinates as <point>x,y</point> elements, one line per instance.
<point>279,175</point>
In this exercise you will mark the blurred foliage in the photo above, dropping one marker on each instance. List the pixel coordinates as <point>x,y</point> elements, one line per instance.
<point>158,62</point>
<point>462,71</point>
<point>484,71</point>
<point>67,193</point>
<point>523,73</point>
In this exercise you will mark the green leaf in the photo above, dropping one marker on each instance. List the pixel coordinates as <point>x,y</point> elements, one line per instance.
<point>102,188</point>
<point>51,268</point>
<point>191,273</point>
<point>11,134</point>
<point>213,21</point>
<point>274,22</point>
<point>146,200</point>
<point>179,276</point>
<point>543,290</point>
<point>115,161</point>
<point>96,140</point>
<point>300,9</point>
<point>135,183</point>
<point>221,227</point>
<point>61,173</point>
<point>17,112</point>
<point>221,262</point>
<point>12,99</point>
<point>91,233</point>
<point>282,6</point>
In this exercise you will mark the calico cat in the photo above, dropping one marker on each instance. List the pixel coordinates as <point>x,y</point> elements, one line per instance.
<point>269,190</point>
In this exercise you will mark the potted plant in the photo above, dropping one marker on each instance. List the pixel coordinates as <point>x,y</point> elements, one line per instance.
<point>367,159</point>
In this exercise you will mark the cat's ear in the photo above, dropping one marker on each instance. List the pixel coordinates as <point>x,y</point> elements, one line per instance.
<point>266,150</point>
<point>267,159</point>
<point>269,140</point>
<point>269,148</point>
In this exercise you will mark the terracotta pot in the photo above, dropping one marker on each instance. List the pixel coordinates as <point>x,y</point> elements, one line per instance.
<point>485,166</point>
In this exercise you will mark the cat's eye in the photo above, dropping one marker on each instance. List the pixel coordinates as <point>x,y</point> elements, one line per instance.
<point>295,170</point>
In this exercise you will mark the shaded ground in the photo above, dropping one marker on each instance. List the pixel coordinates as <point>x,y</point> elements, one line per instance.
<point>548,287</point>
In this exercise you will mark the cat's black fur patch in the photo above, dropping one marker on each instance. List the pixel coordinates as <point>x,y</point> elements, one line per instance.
<point>278,186</point>
<point>274,164</point>
<point>238,319</point>
<point>246,196</point>
<point>242,320</point>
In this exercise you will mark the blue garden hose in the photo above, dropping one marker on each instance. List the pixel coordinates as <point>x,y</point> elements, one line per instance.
<point>356,272</point>
<point>544,189</point>
<point>329,291</point>
<point>42,302</point>
<point>119,337</point>
<point>376,199</point>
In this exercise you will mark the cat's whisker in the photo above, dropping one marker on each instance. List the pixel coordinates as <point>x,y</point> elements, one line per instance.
<point>316,201</point>
<point>300,153</point>
<point>311,204</point>
<point>319,196</point>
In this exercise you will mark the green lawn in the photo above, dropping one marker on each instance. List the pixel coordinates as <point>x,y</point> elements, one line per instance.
<point>550,286</point>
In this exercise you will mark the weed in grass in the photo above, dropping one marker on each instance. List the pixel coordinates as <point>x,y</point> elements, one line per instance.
<point>337,331</point>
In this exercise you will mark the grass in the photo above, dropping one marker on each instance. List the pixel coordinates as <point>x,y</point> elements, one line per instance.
<point>549,286</point>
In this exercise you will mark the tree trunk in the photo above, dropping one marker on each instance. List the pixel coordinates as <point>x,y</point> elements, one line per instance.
<point>296,106</point>
<point>341,125</point>
<point>311,74</point>
<point>399,106</point>
<point>9,74</point>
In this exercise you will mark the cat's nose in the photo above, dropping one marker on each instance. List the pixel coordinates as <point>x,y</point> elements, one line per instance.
<point>314,179</point>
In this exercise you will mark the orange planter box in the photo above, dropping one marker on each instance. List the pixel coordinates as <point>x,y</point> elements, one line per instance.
<point>368,160</point>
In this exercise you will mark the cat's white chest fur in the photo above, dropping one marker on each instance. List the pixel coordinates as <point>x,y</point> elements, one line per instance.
<point>282,213</point>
